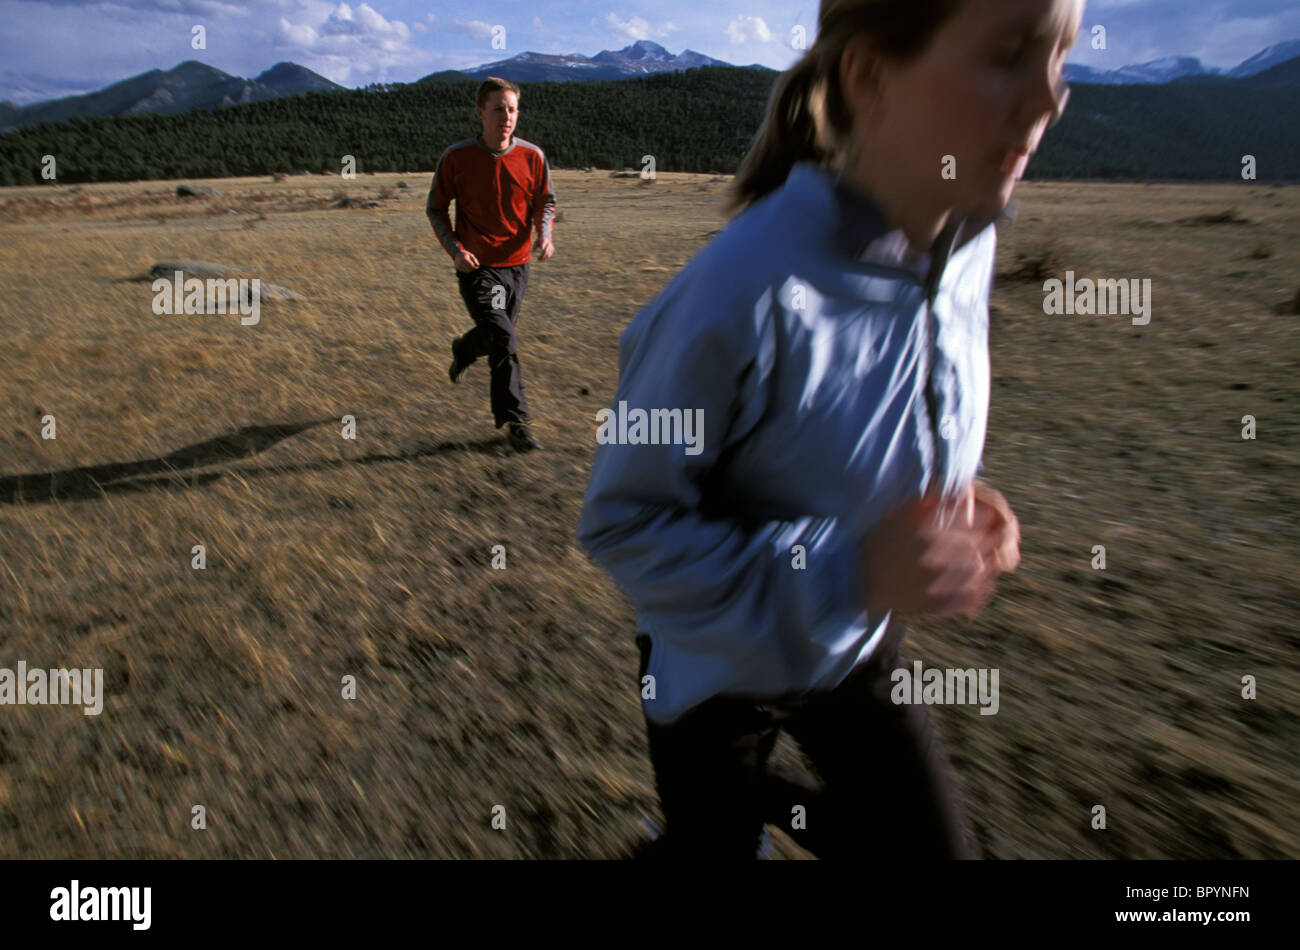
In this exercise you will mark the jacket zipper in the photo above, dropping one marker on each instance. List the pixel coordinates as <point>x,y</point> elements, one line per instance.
<point>939,255</point>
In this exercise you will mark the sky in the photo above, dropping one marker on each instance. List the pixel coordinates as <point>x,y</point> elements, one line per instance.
<point>54,48</point>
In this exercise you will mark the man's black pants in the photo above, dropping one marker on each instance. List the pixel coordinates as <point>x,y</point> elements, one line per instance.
<point>882,790</point>
<point>493,296</point>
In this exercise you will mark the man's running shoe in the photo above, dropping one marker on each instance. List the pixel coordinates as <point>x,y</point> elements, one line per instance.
<point>521,437</point>
<point>457,367</point>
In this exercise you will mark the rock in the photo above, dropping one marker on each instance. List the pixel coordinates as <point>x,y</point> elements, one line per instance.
<point>1223,217</point>
<point>202,269</point>
<point>195,191</point>
<point>276,292</point>
<point>205,269</point>
<point>354,203</point>
<point>402,184</point>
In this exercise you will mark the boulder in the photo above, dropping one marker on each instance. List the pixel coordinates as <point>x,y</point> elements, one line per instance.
<point>205,269</point>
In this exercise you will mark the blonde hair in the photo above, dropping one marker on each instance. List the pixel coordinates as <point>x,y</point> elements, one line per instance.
<point>491,85</point>
<point>806,117</point>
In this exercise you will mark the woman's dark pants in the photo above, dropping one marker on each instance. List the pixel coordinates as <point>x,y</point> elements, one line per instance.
<point>882,792</point>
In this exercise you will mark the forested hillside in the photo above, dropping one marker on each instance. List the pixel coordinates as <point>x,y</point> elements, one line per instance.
<point>700,120</point>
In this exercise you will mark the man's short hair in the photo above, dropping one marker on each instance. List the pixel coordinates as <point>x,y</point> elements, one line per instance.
<point>491,85</point>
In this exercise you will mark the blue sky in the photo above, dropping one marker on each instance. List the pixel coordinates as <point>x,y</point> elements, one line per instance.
<point>59,47</point>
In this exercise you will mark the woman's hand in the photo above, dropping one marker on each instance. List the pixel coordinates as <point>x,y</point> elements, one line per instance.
<point>923,558</point>
<point>1003,537</point>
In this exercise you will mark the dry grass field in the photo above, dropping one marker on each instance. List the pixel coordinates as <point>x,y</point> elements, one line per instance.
<point>371,557</point>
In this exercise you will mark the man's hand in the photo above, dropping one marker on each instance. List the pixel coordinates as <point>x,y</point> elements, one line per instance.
<point>466,262</point>
<point>544,247</point>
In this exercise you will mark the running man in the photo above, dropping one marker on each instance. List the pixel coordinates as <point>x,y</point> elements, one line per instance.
<point>502,188</point>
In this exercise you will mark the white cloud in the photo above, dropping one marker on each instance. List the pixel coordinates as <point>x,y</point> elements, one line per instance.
<point>475,28</point>
<point>366,23</point>
<point>121,9</point>
<point>637,28</point>
<point>296,34</point>
<point>347,43</point>
<point>743,29</point>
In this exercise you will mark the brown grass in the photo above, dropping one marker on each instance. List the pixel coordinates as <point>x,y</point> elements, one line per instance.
<point>477,687</point>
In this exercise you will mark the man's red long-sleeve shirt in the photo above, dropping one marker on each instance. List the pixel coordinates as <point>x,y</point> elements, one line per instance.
<point>500,197</point>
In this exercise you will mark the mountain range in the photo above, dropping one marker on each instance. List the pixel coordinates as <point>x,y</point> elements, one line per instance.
<point>194,85</point>
<point>191,85</point>
<point>1181,67</point>
<point>640,59</point>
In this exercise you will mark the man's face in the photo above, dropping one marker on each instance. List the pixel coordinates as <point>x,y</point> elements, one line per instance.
<point>499,115</point>
<point>983,92</point>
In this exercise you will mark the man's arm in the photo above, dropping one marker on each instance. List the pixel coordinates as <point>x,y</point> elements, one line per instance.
<point>441,194</point>
<point>544,203</point>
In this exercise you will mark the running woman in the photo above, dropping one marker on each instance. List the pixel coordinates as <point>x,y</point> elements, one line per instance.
<point>833,342</point>
<point>502,188</point>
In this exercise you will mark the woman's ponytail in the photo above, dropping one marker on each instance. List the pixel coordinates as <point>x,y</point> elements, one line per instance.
<point>807,118</point>
<point>793,130</point>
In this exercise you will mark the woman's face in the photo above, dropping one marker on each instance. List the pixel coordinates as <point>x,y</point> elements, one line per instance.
<point>983,92</point>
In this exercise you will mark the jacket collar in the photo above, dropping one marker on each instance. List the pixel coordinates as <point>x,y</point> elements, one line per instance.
<point>858,228</point>
<point>861,232</point>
